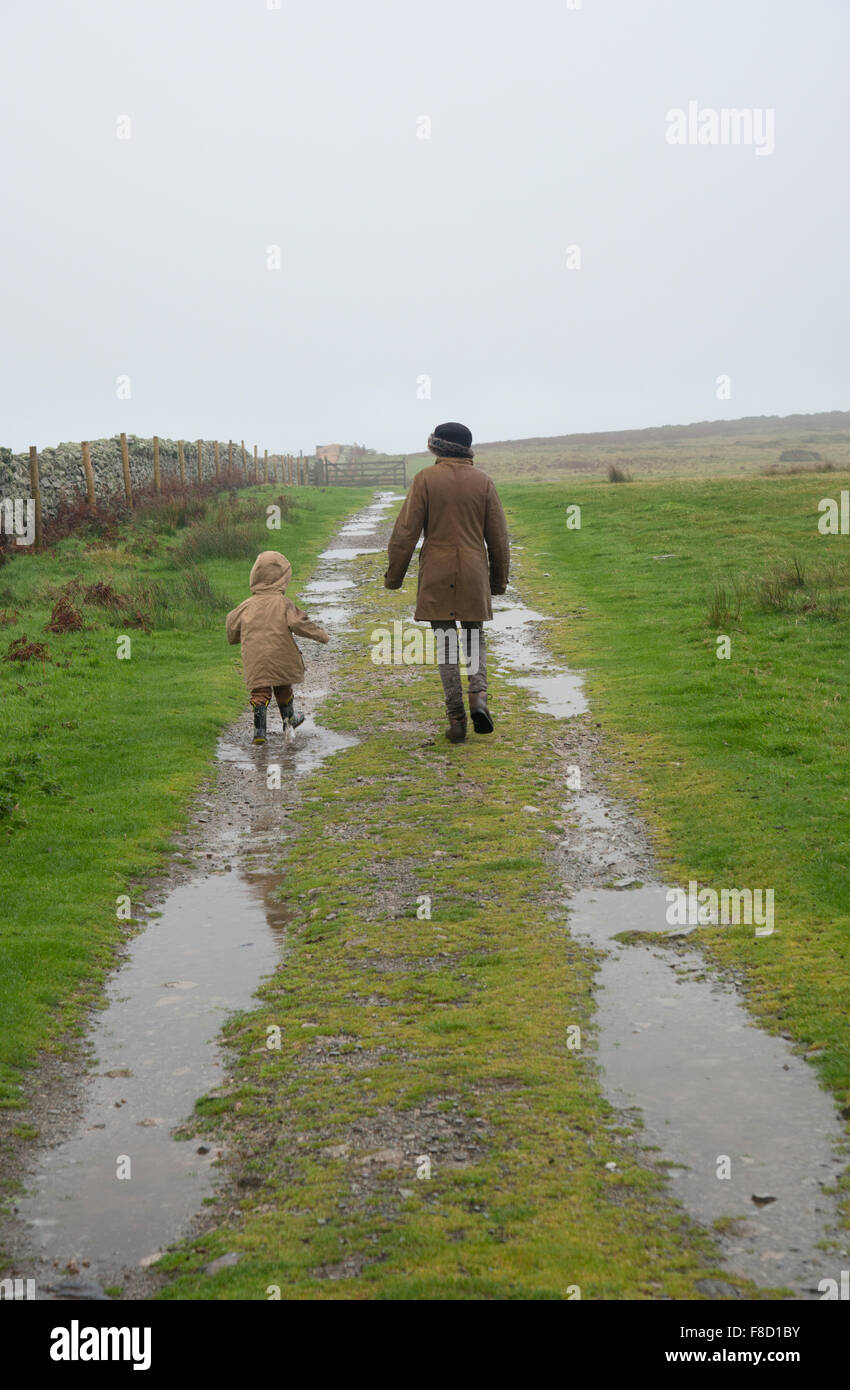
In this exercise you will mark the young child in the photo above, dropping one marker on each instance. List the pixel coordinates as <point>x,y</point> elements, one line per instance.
<point>264,624</point>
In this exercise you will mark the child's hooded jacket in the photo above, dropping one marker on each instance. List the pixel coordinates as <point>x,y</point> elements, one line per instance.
<point>264,624</point>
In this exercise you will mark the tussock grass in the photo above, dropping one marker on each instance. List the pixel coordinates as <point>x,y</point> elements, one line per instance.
<point>232,531</point>
<point>803,589</point>
<point>787,470</point>
<point>725,607</point>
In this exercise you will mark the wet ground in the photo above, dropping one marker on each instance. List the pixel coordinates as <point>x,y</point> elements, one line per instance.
<point>117,1190</point>
<point>745,1133</point>
<point>707,1090</point>
<point>736,1119</point>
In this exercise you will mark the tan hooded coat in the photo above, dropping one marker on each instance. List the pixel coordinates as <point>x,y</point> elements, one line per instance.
<point>264,624</point>
<point>465,556</point>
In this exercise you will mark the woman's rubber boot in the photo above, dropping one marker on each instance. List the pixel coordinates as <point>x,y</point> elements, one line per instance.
<point>288,715</point>
<point>456,732</point>
<point>482,719</point>
<point>260,723</point>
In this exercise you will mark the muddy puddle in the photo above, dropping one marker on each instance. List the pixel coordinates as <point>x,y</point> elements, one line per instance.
<point>328,602</point>
<point>303,752</point>
<point>514,636</point>
<point>348,552</point>
<point>747,1137</point>
<point>119,1187</point>
<point>738,1122</point>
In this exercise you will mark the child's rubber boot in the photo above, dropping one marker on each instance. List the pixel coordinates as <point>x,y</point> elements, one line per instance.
<point>260,723</point>
<point>288,715</point>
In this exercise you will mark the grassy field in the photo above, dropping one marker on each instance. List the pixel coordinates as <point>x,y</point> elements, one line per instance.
<point>712,448</point>
<point>742,766</point>
<point>100,755</point>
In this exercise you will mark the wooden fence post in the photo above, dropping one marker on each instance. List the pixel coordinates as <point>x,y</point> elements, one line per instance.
<point>265,465</point>
<point>157,481</point>
<point>181,462</point>
<point>217,465</point>
<point>256,466</point>
<point>200,462</point>
<point>35,489</point>
<point>89,472</point>
<point>125,464</point>
<point>244,463</point>
<point>230,455</point>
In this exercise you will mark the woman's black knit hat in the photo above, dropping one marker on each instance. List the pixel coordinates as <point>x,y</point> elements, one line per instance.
<point>451,441</point>
<point>454,433</point>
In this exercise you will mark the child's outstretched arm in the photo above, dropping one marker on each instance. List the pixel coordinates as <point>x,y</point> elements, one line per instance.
<point>233,625</point>
<point>303,626</point>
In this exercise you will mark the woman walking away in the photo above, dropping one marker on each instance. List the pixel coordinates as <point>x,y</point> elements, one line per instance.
<point>264,624</point>
<point>465,558</point>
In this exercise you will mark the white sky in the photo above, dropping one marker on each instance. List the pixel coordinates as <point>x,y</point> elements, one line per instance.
<point>404,257</point>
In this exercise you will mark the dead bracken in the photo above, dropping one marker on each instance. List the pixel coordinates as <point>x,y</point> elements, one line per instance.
<point>104,595</point>
<point>65,617</point>
<point>24,650</point>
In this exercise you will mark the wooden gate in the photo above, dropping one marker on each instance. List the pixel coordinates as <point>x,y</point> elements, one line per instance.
<point>390,472</point>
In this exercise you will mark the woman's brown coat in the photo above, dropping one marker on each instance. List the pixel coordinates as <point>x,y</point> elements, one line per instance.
<point>264,624</point>
<point>465,555</point>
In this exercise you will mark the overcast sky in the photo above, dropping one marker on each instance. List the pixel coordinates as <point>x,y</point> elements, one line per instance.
<point>411,264</point>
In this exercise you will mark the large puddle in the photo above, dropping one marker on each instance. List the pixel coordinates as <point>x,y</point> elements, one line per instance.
<point>737,1120</point>
<point>121,1188</point>
<point>747,1136</point>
